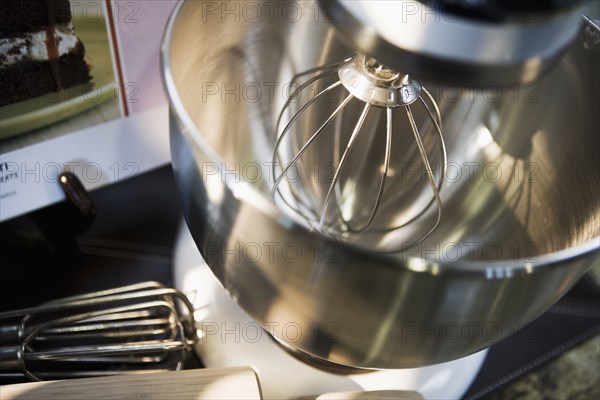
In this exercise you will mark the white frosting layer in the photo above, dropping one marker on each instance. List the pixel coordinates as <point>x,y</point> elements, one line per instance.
<point>32,46</point>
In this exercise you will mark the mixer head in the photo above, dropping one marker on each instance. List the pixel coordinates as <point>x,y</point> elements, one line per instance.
<point>466,43</point>
<point>348,203</point>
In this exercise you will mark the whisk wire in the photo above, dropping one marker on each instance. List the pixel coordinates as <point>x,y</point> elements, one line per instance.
<point>293,162</point>
<point>323,69</point>
<point>93,314</point>
<point>436,120</point>
<point>101,293</point>
<point>430,177</point>
<point>342,162</point>
<point>386,166</point>
<point>297,93</point>
<point>287,127</point>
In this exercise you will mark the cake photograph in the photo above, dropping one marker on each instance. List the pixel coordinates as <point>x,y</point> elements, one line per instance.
<point>56,69</point>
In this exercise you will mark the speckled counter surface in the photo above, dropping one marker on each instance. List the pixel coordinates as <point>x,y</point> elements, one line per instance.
<point>574,374</point>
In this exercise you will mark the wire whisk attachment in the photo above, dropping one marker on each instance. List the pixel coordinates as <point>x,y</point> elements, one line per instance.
<point>376,132</point>
<point>135,328</point>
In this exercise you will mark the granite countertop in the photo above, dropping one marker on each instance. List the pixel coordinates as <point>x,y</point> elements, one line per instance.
<point>574,374</point>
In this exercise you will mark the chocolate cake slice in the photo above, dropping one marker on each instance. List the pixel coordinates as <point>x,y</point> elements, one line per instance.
<point>39,52</point>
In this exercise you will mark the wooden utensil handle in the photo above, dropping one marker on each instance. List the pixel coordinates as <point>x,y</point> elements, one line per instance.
<point>197,384</point>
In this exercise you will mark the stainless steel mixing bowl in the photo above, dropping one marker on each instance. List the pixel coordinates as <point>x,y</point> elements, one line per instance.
<point>521,217</point>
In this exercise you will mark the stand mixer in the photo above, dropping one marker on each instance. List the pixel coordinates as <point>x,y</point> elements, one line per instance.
<point>404,239</point>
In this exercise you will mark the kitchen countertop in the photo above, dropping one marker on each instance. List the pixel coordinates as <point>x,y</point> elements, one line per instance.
<point>575,374</point>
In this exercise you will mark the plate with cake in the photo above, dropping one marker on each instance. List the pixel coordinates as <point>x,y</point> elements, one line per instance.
<point>55,63</point>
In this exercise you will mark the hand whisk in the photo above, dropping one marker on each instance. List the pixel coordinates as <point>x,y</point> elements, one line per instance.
<point>133,328</point>
<point>354,157</point>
